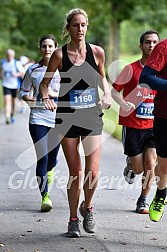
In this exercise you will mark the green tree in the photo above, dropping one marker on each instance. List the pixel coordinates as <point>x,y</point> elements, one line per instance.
<point>140,12</point>
<point>24,21</point>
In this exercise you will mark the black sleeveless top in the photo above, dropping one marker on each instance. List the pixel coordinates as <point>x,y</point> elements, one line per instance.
<point>79,84</point>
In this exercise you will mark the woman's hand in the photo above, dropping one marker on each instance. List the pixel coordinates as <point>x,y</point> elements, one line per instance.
<point>106,101</point>
<point>49,104</point>
<point>126,106</point>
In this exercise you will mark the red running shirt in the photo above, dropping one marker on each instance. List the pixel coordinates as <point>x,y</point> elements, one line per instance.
<point>141,117</point>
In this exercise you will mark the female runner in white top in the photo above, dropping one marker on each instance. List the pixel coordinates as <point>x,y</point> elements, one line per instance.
<point>41,120</point>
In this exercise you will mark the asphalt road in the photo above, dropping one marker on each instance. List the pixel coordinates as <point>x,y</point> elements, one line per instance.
<point>24,228</point>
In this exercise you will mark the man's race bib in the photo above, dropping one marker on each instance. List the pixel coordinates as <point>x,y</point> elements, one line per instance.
<point>83,98</point>
<point>144,110</point>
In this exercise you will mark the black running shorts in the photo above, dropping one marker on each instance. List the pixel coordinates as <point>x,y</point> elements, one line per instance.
<point>136,140</point>
<point>160,134</point>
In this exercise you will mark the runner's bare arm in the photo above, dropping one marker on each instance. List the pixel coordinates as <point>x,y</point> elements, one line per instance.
<point>103,83</point>
<point>54,64</point>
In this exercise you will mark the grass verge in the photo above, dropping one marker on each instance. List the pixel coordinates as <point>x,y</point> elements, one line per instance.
<point>111,126</point>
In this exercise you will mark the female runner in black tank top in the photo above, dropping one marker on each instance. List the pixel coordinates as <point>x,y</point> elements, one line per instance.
<point>79,113</point>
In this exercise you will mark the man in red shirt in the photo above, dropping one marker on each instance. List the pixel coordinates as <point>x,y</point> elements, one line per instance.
<point>136,106</point>
<point>154,75</point>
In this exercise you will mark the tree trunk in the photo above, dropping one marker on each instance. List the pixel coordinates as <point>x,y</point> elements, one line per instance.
<point>114,42</point>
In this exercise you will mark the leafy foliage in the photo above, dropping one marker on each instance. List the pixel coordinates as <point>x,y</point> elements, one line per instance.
<point>23,22</point>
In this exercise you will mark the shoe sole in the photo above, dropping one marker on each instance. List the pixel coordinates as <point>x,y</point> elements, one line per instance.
<point>89,231</point>
<point>74,235</point>
<point>128,180</point>
<point>143,211</point>
<point>46,208</point>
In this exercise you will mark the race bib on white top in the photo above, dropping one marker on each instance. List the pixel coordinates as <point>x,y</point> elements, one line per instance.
<point>144,110</point>
<point>83,98</point>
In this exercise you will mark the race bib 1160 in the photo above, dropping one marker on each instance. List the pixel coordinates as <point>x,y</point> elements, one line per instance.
<point>83,98</point>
